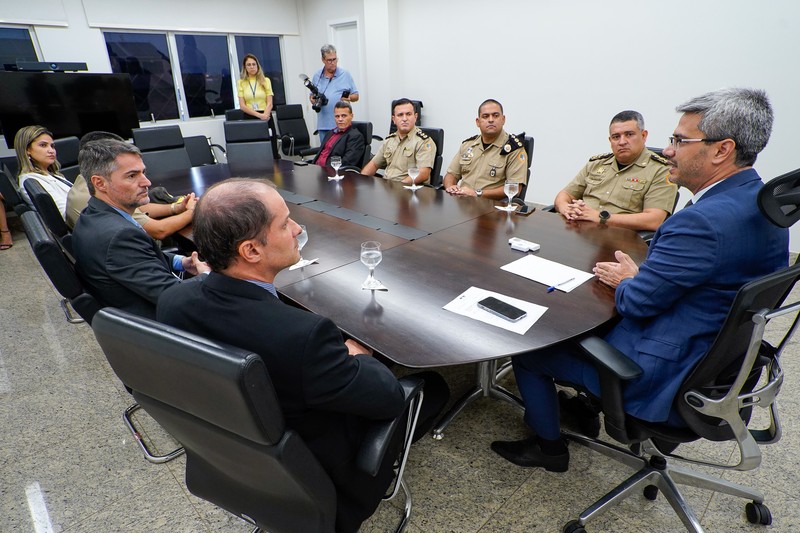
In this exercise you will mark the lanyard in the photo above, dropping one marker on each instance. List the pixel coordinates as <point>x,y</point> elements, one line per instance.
<point>253,86</point>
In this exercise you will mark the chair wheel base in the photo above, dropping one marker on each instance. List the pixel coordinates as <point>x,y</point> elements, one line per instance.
<point>758,513</point>
<point>573,526</point>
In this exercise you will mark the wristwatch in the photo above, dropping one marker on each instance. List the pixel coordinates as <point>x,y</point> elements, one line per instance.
<point>604,216</point>
<point>478,192</point>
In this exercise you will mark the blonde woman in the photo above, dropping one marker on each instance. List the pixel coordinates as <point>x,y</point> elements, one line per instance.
<point>36,156</point>
<point>255,89</point>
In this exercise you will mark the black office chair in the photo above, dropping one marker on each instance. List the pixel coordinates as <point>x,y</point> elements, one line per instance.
<point>779,199</point>
<point>201,150</point>
<point>235,114</point>
<point>365,129</point>
<point>60,268</point>
<point>67,154</point>
<point>437,136</point>
<point>248,146</point>
<point>292,132</point>
<point>163,151</point>
<point>220,403</point>
<point>47,209</point>
<point>8,188</point>
<point>238,114</point>
<point>715,401</point>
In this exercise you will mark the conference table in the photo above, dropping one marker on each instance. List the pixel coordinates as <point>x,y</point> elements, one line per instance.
<point>435,247</point>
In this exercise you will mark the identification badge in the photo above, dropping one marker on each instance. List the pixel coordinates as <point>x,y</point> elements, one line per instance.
<point>255,106</point>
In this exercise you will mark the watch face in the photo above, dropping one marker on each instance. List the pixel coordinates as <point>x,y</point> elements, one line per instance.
<point>605,215</point>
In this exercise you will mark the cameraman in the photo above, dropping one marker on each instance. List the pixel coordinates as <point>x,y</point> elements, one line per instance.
<point>334,83</point>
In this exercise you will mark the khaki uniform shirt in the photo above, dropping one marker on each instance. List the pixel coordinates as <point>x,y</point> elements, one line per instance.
<point>504,160</point>
<point>396,155</point>
<point>78,199</point>
<point>641,185</point>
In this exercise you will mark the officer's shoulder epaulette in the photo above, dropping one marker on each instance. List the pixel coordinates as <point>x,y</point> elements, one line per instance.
<point>512,144</point>
<point>393,134</point>
<point>598,157</point>
<point>470,139</point>
<point>661,159</point>
<point>422,135</point>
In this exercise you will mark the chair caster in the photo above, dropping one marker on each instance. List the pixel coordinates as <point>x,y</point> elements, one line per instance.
<point>758,513</point>
<point>573,526</point>
<point>650,492</point>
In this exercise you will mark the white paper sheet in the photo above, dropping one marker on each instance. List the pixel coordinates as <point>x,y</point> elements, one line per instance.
<point>467,304</point>
<point>548,273</point>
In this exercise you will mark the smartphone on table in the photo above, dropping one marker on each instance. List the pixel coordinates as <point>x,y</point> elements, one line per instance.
<point>502,309</point>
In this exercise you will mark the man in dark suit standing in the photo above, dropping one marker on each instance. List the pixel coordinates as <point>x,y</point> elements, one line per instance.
<point>674,303</point>
<point>328,387</point>
<point>344,141</point>
<point>120,264</point>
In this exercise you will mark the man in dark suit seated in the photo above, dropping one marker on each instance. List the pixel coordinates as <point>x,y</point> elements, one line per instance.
<point>121,265</point>
<point>344,141</point>
<point>329,388</point>
<point>675,302</point>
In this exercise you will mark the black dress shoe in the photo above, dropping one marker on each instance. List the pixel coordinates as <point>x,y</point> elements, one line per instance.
<point>582,414</point>
<point>527,452</point>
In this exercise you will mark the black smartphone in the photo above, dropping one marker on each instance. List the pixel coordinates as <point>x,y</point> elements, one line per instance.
<point>345,94</point>
<point>502,309</point>
<point>525,210</point>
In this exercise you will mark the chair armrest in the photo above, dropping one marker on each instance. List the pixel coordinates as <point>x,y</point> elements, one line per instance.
<point>220,147</point>
<point>378,435</point>
<point>549,209</point>
<point>377,138</point>
<point>350,168</point>
<point>614,368</point>
<point>646,235</point>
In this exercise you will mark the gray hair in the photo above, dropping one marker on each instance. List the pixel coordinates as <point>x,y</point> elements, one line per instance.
<point>228,214</point>
<point>99,158</point>
<point>327,49</point>
<point>744,115</point>
<point>629,114</point>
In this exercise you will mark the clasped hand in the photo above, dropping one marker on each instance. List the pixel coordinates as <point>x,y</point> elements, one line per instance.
<point>578,210</point>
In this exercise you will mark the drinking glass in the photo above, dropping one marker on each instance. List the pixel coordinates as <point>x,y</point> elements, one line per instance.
<point>302,239</point>
<point>336,162</point>
<point>371,255</point>
<point>413,173</point>
<point>510,188</point>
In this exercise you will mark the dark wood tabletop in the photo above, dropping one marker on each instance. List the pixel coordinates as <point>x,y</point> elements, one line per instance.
<point>435,247</point>
<point>408,325</point>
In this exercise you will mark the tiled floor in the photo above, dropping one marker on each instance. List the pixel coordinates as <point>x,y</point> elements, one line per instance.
<point>68,464</point>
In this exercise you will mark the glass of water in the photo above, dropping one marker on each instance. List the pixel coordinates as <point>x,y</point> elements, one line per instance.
<point>511,188</point>
<point>336,162</point>
<point>371,255</point>
<point>413,173</point>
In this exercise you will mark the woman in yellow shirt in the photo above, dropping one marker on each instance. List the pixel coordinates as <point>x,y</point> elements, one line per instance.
<point>255,89</point>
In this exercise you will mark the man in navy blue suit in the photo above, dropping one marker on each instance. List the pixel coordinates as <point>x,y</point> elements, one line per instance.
<point>674,303</point>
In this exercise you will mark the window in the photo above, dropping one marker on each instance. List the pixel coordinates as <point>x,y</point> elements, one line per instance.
<point>145,57</point>
<point>206,74</point>
<point>268,52</point>
<point>15,45</point>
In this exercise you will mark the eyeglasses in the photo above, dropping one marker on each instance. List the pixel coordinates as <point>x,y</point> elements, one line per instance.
<point>675,141</point>
<point>332,60</point>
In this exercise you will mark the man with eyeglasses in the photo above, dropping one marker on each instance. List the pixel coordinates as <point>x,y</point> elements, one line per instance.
<point>336,84</point>
<point>674,303</point>
<point>627,188</point>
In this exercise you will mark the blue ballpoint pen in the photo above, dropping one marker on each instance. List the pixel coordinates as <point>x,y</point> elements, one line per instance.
<point>554,287</point>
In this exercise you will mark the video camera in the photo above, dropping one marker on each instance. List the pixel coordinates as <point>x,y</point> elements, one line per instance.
<point>318,99</point>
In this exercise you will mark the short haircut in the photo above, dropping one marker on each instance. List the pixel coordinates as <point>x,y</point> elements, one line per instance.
<point>744,115</point>
<point>228,214</point>
<point>343,104</point>
<point>99,158</point>
<point>403,101</point>
<point>629,114</point>
<point>98,136</point>
<point>22,141</point>
<point>327,49</point>
<point>490,101</point>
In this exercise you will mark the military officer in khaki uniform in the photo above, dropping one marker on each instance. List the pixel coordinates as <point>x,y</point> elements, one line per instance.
<point>485,162</point>
<point>626,188</point>
<point>407,147</point>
